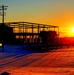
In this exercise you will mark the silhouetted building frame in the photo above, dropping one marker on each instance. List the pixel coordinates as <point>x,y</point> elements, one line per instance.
<point>23,30</point>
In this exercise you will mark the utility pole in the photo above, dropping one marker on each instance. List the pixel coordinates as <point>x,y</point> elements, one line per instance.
<point>2,9</point>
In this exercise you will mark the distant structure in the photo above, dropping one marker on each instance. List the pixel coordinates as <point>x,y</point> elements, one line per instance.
<point>6,34</point>
<point>49,36</point>
<point>27,32</point>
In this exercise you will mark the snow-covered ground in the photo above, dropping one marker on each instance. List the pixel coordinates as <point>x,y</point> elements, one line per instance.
<point>24,62</point>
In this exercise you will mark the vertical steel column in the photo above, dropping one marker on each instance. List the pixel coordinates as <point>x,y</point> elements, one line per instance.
<point>32,34</point>
<point>38,33</point>
<point>43,27</point>
<point>23,32</point>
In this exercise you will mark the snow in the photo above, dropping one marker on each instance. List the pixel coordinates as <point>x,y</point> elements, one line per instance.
<point>25,62</point>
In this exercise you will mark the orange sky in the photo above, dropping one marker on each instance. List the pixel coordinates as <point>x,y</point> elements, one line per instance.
<point>52,12</point>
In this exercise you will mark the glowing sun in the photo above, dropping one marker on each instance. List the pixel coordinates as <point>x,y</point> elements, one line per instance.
<point>72,30</point>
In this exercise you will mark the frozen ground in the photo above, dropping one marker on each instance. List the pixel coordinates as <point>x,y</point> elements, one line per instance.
<point>56,62</point>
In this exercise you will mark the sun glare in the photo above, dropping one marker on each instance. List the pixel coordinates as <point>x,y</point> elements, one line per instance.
<point>72,30</point>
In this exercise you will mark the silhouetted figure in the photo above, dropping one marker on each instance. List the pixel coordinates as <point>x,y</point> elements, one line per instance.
<point>5,73</point>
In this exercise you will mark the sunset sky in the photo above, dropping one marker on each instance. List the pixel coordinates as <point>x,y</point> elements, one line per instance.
<point>52,12</point>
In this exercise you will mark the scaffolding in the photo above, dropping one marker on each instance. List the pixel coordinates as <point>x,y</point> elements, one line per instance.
<point>29,32</point>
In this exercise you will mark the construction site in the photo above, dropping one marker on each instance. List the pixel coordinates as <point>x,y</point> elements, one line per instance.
<point>27,32</point>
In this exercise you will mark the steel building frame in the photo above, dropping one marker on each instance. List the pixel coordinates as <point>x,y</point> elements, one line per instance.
<point>28,28</point>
